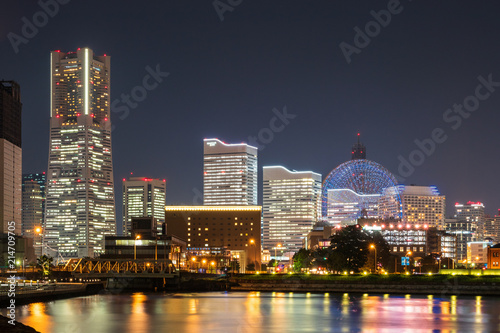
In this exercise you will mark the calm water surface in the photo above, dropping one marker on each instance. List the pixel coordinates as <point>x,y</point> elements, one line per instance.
<point>263,312</point>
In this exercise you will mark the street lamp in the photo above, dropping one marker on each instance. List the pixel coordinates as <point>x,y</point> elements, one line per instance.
<point>372,246</point>
<point>275,248</point>
<point>408,254</point>
<point>252,242</point>
<point>193,259</point>
<point>135,247</point>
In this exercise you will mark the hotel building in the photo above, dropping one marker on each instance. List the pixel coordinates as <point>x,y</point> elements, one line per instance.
<point>217,231</point>
<point>80,205</point>
<point>419,205</point>
<point>291,203</point>
<point>229,173</point>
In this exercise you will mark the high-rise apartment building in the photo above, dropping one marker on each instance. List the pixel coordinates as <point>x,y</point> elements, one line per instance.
<point>465,231</point>
<point>419,205</point>
<point>143,197</point>
<point>472,212</point>
<point>33,211</point>
<point>291,204</point>
<point>80,205</point>
<point>492,227</point>
<point>229,173</point>
<point>10,157</point>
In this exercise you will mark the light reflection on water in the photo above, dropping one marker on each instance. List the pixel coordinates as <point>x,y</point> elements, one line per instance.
<point>263,312</point>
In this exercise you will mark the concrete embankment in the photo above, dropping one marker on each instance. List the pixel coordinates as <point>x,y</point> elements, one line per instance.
<point>443,287</point>
<point>48,292</point>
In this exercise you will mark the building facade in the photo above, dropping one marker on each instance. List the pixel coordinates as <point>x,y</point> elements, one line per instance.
<point>33,212</point>
<point>213,231</point>
<point>472,212</point>
<point>229,173</point>
<point>416,240</point>
<point>291,204</point>
<point>80,204</point>
<point>143,197</point>
<point>10,157</point>
<point>477,252</point>
<point>493,257</point>
<point>465,231</point>
<point>492,227</point>
<point>417,205</point>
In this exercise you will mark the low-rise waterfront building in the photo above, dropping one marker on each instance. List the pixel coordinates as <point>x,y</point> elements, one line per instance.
<point>214,233</point>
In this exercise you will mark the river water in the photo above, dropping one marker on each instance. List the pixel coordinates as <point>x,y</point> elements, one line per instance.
<point>263,312</point>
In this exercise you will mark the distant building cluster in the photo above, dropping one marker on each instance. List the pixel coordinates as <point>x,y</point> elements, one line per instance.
<point>69,211</point>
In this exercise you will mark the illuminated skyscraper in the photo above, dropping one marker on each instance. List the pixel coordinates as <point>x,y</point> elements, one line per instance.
<point>10,157</point>
<point>80,204</point>
<point>229,173</point>
<point>34,208</point>
<point>472,212</point>
<point>143,197</point>
<point>291,205</point>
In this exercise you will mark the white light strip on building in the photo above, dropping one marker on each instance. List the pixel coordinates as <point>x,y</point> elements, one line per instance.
<point>230,144</point>
<point>86,78</point>
<point>51,82</point>
<point>213,208</point>
<point>290,171</point>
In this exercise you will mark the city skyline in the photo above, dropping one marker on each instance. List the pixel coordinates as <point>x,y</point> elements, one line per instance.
<point>391,103</point>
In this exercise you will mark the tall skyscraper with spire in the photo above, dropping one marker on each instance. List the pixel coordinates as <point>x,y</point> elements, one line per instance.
<point>358,151</point>
<point>80,204</point>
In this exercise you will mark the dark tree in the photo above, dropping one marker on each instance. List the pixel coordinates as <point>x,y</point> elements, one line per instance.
<point>351,243</point>
<point>301,259</point>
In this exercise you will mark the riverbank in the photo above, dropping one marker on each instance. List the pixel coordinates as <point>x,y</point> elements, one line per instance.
<point>385,284</point>
<point>17,328</point>
<point>49,292</point>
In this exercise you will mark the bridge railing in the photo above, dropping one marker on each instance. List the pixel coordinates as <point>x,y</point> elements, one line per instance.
<point>120,266</point>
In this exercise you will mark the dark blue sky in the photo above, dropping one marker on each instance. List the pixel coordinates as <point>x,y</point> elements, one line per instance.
<point>227,76</point>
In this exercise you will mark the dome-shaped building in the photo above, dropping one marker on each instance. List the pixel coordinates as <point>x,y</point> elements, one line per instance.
<point>353,189</point>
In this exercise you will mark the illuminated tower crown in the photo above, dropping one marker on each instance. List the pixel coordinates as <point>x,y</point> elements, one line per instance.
<point>358,151</point>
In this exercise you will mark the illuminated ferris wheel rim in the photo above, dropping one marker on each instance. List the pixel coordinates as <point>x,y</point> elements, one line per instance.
<point>362,176</point>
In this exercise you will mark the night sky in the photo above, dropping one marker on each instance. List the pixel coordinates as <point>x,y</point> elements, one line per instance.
<point>226,77</point>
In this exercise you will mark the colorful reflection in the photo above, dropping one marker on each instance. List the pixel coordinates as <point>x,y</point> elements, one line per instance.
<point>263,312</point>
